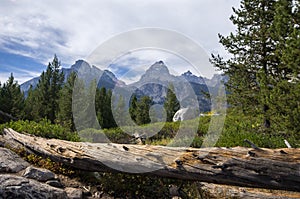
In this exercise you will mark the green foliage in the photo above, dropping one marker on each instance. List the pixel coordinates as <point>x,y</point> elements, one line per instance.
<point>65,115</point>
<point>171,104</point>
<point>44,99</point>
<point>141,186</point>
<point>120,115</point>
<point>103,103</point>
<point>239,126</point>
<point>286,95</point>
<point>162,133</point>
<point>44,128</point>
<point>139,110</point>
<point>264,61</point>
<point>30,102</point>
<point>249,68</point>
<point>115,135</point>
<point>133,108</point>
<point>83,105</point>
<point>11,98</point>
<point>46,163</point>
<point>143,108</point>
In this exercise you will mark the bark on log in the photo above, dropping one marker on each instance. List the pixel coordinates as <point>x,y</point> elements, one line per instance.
<point>214,191</point>
<point>240,166</point>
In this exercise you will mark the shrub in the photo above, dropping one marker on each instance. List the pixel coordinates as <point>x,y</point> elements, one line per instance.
<point>44,128</point>
<point>239,126</point>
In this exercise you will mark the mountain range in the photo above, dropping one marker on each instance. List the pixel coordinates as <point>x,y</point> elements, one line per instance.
<point>189,89</point>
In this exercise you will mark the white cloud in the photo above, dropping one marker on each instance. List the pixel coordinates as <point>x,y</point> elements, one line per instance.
<point>131,66</point>
<point>20,75</point>
<point>73,28</point>
<point>4,77</point>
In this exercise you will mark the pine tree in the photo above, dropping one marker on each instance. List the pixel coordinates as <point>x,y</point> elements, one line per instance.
<point>286,94</point>
<point>83,105</point>
<point>48,89</point>
<point>143,109</point>
<point>251,66</point>
<point>11,98</point>
<point>103,108</point>
<point>100,103</point>
<point>281,29</point>
<point>30,110</point>
<point>55,87</point>
<point>65,115</point>
<point>133,108</point>
<point>264,68</point>
<point>120,112</point>
<point>109,118</point>
<point>171,104</point>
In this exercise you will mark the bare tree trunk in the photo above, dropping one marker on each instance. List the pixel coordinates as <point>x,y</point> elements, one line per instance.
<point>248,167</point>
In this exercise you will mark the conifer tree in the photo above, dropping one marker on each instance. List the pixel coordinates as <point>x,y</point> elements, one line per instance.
<point>109,121</point>
<point>83,104</point>
<point>65,115</point>
<point>171,104</point>
<point>143,109</point>
<point>133,108</point>
<point>11,98</point>
<point>264,61</point>
<point>48,89</point>
<point>251,66</point>
<point>120,111</point>
<point>30,110</point>
<point>103,108</point>
<point>100,103</point>
<point>286,94</point>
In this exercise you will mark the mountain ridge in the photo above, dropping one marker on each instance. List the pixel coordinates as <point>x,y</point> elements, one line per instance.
<point>154,83</point>
<point>189,76</point>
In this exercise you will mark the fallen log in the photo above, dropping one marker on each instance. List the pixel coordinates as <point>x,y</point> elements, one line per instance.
<point>239,166</point>
<point>209,190</point>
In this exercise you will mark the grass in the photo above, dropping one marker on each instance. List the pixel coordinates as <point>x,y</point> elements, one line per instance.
<point>237,128</point>
<point>44,128</point>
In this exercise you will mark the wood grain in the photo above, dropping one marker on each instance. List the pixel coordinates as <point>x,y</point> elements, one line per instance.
<point>240,166</point>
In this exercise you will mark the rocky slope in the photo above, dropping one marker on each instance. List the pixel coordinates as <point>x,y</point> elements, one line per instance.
<point>19,179</point>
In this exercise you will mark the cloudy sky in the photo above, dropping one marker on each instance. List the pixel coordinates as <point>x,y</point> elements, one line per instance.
<point>33,31</point>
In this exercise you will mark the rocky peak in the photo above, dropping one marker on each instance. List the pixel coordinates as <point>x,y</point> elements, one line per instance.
<point>158,67</point>
<point>187,73</point>
<point>190,77</point>
<point>79,64</point>
<point>157,71</point>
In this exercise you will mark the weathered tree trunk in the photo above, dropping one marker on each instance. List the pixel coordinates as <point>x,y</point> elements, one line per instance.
<point>264,168</point>
<point>209,190</point>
